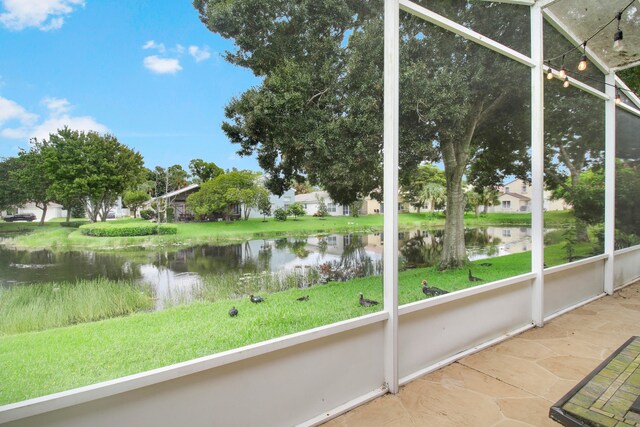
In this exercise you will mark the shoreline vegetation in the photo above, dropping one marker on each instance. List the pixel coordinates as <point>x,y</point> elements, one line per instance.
<point>55,237</point>
<point>126,338</point>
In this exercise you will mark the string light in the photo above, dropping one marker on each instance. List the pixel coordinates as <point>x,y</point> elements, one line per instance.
<point>583,60</point>
<point>549,74</point>
<point>566,82</point>
<point>618,97</point>
<point>618,45</point>
<point>563,70</point>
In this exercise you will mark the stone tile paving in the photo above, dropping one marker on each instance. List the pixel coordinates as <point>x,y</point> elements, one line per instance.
<point>606,398</point>
<point>512,384</point>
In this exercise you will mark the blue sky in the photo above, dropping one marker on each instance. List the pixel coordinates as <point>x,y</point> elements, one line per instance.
<point>148,72</point>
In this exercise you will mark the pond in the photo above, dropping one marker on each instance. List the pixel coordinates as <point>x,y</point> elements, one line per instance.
<point>173,274</point>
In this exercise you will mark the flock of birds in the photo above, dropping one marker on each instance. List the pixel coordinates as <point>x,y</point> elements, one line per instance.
<point>429,291</point>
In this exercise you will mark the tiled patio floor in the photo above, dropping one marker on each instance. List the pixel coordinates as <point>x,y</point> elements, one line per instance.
<point>513,383</point>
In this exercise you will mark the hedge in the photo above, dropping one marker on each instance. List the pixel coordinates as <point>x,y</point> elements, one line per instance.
<point>73,224</point>
<point>127,229</point>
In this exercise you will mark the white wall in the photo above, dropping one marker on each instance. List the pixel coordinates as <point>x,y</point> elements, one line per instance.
<point>626,266</point>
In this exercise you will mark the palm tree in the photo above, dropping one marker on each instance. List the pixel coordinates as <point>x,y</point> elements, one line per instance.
<point>434,193</point>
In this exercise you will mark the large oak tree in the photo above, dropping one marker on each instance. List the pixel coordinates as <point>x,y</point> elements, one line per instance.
<point>318,112</point>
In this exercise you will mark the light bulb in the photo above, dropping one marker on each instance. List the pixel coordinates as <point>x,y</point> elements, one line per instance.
<point>563,72</point>
<point>549,74</point>
<point>618,99</point>
<point>566,82</point>
<point>583,63</point>
<point>618,45</point>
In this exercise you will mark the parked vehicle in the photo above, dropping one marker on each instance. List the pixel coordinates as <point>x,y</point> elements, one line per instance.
<point>20,217</point>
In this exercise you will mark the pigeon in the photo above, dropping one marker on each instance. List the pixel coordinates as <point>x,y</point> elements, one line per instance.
<point>304,298</point>
<point>486,264</point>
<point>432,291</point>
<point>256,299</point>
<point>473,278</point>
<point>233,312</point>
<point>367,302</point>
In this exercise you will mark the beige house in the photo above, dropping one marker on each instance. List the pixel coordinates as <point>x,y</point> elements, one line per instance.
<point>515,196</point>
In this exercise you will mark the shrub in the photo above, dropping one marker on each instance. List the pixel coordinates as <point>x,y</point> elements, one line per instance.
<point>280,214</point>
<point>73,224</point>
<point>126,229</point>
<point>164,229</point>
<point>296,210</point>
<point>323,211</point>
<point>147,214</point>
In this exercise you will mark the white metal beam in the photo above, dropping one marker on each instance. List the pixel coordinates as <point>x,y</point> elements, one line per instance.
<point>537,165</point>
<point>522,2</point>
<point>629,93</point>
<point>625,66</point>
<point>391,149</point>
<point>545,3</point>
<point>462,31</point>
<point>578,84</point>
<point>609,183</point>
<point>629,109</point>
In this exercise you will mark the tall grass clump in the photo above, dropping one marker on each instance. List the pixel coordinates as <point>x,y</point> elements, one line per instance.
<point>35,307</point>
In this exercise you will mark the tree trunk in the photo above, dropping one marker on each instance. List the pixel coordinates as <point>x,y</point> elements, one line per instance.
<point>455,156</point>
<point>68,214</point>
<point>44,212</point>
<point>453,251</point>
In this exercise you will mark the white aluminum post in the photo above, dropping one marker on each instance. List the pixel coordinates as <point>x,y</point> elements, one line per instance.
<point>537,165</point>
<point>391,142</point>
<point>609,181</point>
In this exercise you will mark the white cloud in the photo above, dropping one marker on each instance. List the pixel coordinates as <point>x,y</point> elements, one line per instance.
<point>52,124</point>
<point>10,110</point>
<point>45,15</point>
<point>151,44</point>
<point>199,54</point>
<point>162,65</point>
<point>57,118</point>
<point>57,106</point>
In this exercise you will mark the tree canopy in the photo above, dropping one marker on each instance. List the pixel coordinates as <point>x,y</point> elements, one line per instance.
<point>318,111</point>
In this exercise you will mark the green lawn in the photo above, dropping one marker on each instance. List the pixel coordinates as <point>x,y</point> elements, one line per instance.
<point>38,363</point>
<point>51,235</point>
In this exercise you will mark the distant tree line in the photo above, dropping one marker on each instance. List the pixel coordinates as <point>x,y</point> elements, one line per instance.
<point>79,170</point>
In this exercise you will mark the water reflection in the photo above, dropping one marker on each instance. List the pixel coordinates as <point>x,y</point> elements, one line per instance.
<point>174,274</point>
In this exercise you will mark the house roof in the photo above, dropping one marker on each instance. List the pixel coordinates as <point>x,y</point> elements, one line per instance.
<point>177,192</point>
<point>516,196</point>
<point>311,197</point>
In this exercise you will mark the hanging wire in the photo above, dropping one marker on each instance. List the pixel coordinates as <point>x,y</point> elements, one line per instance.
<point>584,45</point>
<point>619,14</point>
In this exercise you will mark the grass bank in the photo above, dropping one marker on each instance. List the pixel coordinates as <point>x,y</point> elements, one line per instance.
<point>38,363</point>
<point>51,235</point>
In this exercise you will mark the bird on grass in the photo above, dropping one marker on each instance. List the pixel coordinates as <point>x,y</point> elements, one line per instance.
<point>256,299</point>
<point>233,312</point>
<point>367,302</point>
<point>432,291</point>
<point>304,298</point>
<point>473,278</point>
